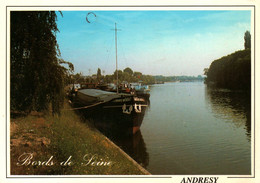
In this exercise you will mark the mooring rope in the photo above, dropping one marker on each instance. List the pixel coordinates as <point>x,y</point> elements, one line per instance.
<point>88,106</point>
<point>84,107</point>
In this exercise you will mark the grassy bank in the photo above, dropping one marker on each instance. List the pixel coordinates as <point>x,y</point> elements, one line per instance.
<point>42,144</point>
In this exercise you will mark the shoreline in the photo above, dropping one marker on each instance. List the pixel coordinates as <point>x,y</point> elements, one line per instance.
<point>142,169</point>
<point>41,144</point>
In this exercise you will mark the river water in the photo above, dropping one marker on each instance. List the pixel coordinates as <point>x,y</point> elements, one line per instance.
<point>191,129</point>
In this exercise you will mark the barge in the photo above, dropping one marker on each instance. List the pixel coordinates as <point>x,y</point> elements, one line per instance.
<point>119,113</point>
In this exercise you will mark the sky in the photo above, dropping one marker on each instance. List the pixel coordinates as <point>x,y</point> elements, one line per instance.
<point>159,42</point>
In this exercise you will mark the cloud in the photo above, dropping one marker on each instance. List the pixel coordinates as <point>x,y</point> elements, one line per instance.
<point>243,25</point>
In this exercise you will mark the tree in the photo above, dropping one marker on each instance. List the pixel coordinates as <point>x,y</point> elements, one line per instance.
<point>232,71</point>
<point>206,70</point>
<point>78,78</point>
<point>69,71</point>
<point>98,74</point>
<point>138,74</point>
<point>37,76</point>
<point>129,70</point>
<point>120,73</point>
<point>247,38</point>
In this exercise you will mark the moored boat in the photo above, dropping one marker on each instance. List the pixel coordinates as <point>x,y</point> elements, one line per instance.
<point>141,90</point>
<point>120,112</point>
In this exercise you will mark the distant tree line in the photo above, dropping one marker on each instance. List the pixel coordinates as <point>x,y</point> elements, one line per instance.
<point>131,76</point>
<point>37,73</point>
<point>161,78</point>
<point>127,75</point>
<point>232,71</point>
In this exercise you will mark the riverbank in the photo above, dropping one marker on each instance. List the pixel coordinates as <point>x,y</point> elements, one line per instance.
<point>42,144</point>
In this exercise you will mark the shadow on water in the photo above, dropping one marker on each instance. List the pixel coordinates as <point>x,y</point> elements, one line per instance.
<point>106,122</point>
<point>232,105</point>
<point>134,146</point>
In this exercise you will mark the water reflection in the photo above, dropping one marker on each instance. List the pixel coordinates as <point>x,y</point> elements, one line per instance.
<point>234,106</point>
<point>134,146</point>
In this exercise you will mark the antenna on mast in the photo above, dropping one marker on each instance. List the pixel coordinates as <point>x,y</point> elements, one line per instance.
<point>116,57</point>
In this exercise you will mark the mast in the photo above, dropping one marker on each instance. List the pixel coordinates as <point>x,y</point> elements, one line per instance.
<point>116,59</point>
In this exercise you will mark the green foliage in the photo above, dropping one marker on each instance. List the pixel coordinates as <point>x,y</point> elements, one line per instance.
<point>247,38</point>
<point>69,72</point>
<point>148,79</point>
<point>134,76</point>
<point>137,74</point>
<point>99,74</point>
<point>77,78</point>
<point>232,71</point>
<point>37,78</point>
<point>206,70</point>
<point>128,70</point>
<point>130,76</point>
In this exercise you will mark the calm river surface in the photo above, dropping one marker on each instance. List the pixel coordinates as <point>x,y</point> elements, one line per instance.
<point>191,129</point>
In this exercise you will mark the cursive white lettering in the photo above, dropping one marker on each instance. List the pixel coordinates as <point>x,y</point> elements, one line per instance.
<point>93,160</point>
<point>26,159</point>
